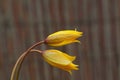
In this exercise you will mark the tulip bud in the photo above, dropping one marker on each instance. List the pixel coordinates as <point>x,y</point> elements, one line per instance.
<point>61,38</point>
<point>60,60</point>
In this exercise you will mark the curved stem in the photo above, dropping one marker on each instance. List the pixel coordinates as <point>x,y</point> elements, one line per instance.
<point>17,66</point>
<point>35,50</point>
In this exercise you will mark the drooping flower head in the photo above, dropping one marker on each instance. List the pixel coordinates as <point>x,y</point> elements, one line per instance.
<point>60,60</point>
<point>64,37</point>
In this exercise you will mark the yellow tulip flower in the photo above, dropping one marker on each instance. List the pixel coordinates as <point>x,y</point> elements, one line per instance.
<point>64,37</point>
<point>60,60</point>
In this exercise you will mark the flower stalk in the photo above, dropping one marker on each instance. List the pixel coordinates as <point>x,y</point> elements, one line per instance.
<point>17,66</point>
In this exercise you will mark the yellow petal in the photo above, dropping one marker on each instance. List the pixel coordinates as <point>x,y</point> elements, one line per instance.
<point>64,33</point>
<point>67,68</point>
<point>60,60</point>
<point>63,43</point>
<point>57,65</point>
<point>56,56</point>
<point>71,66</point>
<point>71,58</point>
<point>61,38</point>
<point>53,64</point>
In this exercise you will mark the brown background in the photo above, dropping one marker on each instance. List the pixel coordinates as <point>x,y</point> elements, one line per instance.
<point>25,22</point>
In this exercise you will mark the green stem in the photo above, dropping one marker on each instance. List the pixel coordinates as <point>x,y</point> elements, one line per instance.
<point>17,66</point>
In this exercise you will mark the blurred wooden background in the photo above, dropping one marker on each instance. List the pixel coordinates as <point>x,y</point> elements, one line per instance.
<point>25,22</point>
